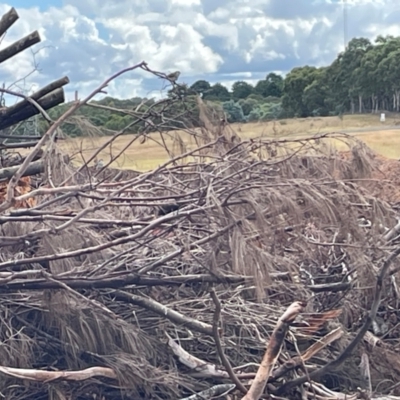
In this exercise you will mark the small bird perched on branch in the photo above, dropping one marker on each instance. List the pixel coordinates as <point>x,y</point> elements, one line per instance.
<point>173,77</point>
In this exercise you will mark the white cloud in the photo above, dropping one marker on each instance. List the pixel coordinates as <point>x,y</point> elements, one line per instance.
<point>204,39</point>
<point>186,3</point>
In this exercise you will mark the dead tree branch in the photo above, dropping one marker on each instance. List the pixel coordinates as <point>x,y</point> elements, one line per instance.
<point>216,334</point>
<point>34,168</point>
<point>273,350</point>
<point>8,20</point>
<point>19,46</point>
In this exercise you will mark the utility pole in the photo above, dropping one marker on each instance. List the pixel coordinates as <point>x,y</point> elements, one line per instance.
<point>345,23</point>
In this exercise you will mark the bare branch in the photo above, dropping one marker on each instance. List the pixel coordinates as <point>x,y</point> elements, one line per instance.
<point>19,46</point>
<point>273,351</point>
<point>8,20</point>
<point>216,333</point>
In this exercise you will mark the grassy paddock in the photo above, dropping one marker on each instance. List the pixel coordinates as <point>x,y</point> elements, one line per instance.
<point>150,154</point>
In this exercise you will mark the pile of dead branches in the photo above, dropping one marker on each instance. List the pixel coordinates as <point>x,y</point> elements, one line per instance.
<point>236,269</point>
<point>176,281</point>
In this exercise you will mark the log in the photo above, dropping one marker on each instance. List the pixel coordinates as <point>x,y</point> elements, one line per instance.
<point>7,20</point>
<point>19,46</point>
<point>109,283</point>
<point>34,168</point>
<point>19,137</point>
<point>23,145</point>
<point>12,162</point>
<point>46,102</point>
<point>37,95</point>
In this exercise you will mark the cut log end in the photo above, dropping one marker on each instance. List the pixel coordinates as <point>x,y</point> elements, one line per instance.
<point>7,20</point>
<point>19,46</point>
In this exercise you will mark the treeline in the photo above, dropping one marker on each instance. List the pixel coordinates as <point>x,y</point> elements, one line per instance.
<point>363,78</point>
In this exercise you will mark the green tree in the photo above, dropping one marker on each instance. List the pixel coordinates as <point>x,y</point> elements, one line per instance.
<point>217,92</point>
<point>316,93</point>
<point>234,111</point>
<point>295,83</point>
<point>275,85</point>
<point>201,87</point>
<point>241,90</point>
<point>271,86</point>
<point>248,105</point>
<point>389,70</point>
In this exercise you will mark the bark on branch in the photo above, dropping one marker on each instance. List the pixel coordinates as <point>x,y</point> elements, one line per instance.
<point>48,376</point>
<point>36,96</point>
<point>165,312</point>
<point>48,101</point>
<point>216,332</point>
<point>7,20</point>
<point>212,393</point>
<point>34,168</point>
<point>21,145</point>
<point>108,283</point>
<point>19,46</point>
<point>273,350</point>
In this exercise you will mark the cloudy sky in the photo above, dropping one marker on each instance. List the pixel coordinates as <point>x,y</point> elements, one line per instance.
<point>217,40</point>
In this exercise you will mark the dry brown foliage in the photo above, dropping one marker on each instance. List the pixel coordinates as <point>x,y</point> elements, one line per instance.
<point>23,187</point>
<point>96,273</point>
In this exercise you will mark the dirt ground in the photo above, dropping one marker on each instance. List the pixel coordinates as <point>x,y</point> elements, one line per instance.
<point>387,184</point>
<point>384,182</point>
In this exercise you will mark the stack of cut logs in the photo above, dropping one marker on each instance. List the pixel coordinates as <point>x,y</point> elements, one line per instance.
<point>47,97</point>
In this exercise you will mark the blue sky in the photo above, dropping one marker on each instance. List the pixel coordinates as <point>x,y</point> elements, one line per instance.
<point>221,41</point>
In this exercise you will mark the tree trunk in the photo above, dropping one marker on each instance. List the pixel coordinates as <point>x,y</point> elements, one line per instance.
<point>352,106</point>
<point>360,103</point>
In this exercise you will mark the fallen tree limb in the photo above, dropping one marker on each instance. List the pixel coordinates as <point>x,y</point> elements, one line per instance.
<point>19,46</point>
<point>20,145</point>
<point>109,283</point>
<point>330,287</point>
<point>201,368</point>
<point>46,102</point>
<point>8,20</point>
<point>214,392</point>
<point>165,312</point>
<point>273,350</point>
<point>48,376</point>
<point>36,167</point>
<point>18,107</point>
<point>216,332</point>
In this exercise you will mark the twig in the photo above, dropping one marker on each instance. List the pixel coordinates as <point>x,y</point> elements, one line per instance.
<point>220,350</point>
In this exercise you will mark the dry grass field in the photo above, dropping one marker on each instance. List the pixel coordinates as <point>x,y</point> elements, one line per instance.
<point>150,154</point>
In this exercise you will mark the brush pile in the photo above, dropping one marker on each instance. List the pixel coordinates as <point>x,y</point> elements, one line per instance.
<point>172,283</point>
<point>235,270</point>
